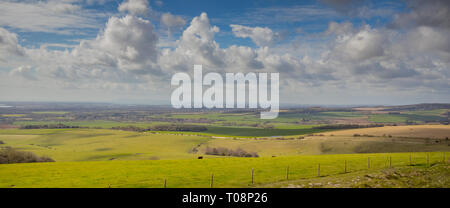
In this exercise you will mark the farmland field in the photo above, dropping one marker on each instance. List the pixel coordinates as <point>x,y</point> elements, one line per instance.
<point>120,148</point>
<point>106,144</point>
<point>228,172</point>
<point>99,144</point>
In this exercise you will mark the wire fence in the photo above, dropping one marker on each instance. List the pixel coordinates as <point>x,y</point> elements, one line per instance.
<point>295,172</point>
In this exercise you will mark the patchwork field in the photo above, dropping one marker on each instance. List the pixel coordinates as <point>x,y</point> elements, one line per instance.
<point>418,131</point>
<point>96,154</point>
<point>105,144</point>
<point>100,144</point>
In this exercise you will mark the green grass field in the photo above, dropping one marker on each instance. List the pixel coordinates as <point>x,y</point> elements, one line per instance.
<point>281,129</point>
<point>106,144</point>
<point>101,157</point>
<point>228,172</point>
<point>415,176</point>
<point>100,144</point>
<point>417,117</point>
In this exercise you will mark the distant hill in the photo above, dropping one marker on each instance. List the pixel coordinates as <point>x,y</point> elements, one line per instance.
<point>423,106</point>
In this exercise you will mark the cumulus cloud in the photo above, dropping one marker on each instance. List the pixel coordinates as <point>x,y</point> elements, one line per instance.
<point>259,35</point>
<point>9,45</point>
<point>431,13</point>
<point>172,22</point>
<point>357,45</point>
<point>124,53</point>
<point>340,28</point>
<point>196,45</point>
<point>429,39</point>
<point>349,60</point>
<point>23,71</point>
<point>134,7</point>
<point>130,39</point>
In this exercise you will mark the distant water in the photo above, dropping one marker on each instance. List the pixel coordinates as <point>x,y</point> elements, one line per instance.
<point>5,106</point>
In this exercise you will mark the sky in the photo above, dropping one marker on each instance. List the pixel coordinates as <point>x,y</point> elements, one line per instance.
<point>329,52</point>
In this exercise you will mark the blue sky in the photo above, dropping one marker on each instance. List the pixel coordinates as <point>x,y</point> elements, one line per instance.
<point>281,16</point>
<point>326,51</point>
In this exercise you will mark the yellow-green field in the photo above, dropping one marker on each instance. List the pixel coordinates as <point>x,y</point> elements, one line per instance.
<point>104,144</point>
<point>99,144</point>
<point>103,157</point>
<point>228,172</point>
<point>417,131</point>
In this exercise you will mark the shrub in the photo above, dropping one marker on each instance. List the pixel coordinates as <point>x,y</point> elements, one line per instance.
<point>128,128</point>
<point>48,126</point>
<point>178,127</point>
<point>347,126</point>
<point>9,155</point>
<point>222,151</point>
<point>1,142</point>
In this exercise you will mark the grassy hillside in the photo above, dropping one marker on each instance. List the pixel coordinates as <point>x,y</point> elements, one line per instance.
<point>417,176</point>
<point>313,145</point>
<point>280,129</point>
<point>228,172</point>
<point>415,138</point>
<point>419,131</point>
<point>100,144</point>
<point>104,144</point>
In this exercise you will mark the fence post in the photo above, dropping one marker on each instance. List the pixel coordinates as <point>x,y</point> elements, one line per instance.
<point>428,159</point>
<point>287,173</point>
<point>165,183</point>
<point>390,161</point>
<point>345,166</point>
<point>318,170</point>
<point>443,157</point>
<point>252,176</point>
<point>410,163</point>
<point>212,179</point>
<point>368,162</point>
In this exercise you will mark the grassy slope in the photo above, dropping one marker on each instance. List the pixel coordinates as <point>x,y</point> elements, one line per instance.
<point>430,131</point>
<point>100,144</point>
<point>281,129</point>
<point>416,176</point>
<point>228,172</point>
<point>415,138</point>
<point>103,144</point>
<point>329,145</point>
<point>400,118</point>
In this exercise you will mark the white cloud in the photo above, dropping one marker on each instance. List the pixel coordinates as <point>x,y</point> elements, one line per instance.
<point>357,45</point>
<point>259,35</point>
<point>134,7</point>
<point>431,13</point>
<point>196,45</point>
<point>130,39</point>
<point>172,22</point>
<point>340,28</point>
<point>9,45</point>
<point>46,16</point>
<point>349,62</point>
<point>23,71</point>
<point>428,39</point>
<point>124,53</point>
